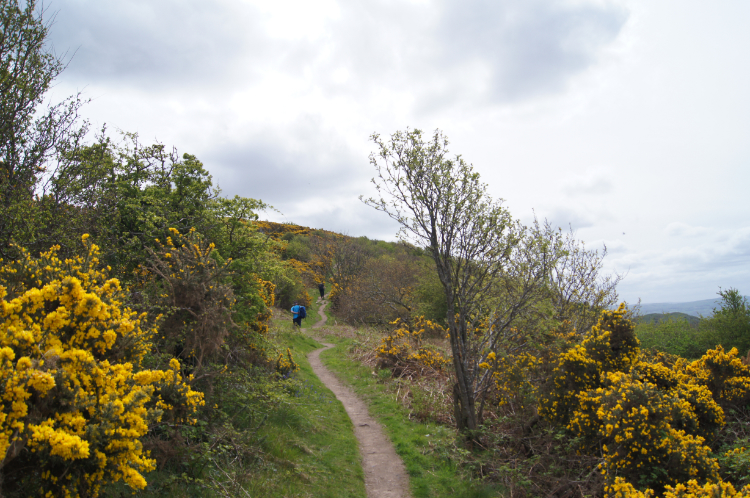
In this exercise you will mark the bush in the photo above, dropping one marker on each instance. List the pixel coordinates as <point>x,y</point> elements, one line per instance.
<point>676,337</point>
<point>610,346</point>
<point>193,291</point>
<point>75,398</point>
<point>403,348</point>
<point>652,423</point>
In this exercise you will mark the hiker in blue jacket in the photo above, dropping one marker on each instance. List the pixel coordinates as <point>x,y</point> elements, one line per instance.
<point>296,318</point>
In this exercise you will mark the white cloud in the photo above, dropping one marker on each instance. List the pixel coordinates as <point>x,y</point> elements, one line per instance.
<point>532,46</point>
<point>565,217</point>
<point>593,182</point>
<point>278,100</point>
<point>678,229</point>
<point>704,261</point>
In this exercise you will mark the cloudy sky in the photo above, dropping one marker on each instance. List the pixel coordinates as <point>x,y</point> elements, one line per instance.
<point>627,119</point>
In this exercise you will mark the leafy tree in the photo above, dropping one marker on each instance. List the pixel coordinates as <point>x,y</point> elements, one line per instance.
<point>29,136</point>
<point>441,204</point>
<point>730,324</point>
<point>347,262</point>
<point>504,284</point>
<point>382,292</point>
<point>430,294</point>
<point>128,195</point>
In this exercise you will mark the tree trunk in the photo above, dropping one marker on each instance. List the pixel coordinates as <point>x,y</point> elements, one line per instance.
<point>464,414</point>
<point>463,393</point>
<point>463,396</point>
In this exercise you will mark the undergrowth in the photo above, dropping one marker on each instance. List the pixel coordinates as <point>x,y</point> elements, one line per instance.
<point>269,437</point>
<point>435,463</point>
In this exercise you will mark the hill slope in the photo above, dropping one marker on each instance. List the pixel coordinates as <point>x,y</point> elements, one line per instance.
<point>704,307</point>
<point>676,316</point>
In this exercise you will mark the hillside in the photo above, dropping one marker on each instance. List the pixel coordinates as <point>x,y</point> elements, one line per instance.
<point>704,307</point>
<point>662,317</point>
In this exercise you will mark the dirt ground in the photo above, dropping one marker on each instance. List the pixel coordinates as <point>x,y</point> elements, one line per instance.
<point>385,474</point>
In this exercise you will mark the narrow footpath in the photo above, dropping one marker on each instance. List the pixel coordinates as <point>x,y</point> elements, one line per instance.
<point>385,474</point>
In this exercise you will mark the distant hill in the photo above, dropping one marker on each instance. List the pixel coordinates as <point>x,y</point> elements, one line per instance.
<point>662,317</point>
<point>694,308</point>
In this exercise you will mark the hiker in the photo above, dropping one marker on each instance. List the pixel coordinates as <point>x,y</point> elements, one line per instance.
<point>297,315</point>
<point>322,289</point>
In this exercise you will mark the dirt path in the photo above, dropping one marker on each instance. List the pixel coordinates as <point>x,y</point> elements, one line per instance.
<point>385,475</point>
<point>323,317</point>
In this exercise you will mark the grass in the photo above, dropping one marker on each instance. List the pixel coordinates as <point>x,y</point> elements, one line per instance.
<point>299,434</point>
<point>306,445</point>
<point>312,310</point>
<point>310,439</point>
<point>428,450</point>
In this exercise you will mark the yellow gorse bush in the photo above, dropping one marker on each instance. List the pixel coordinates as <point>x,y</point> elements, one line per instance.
<point>404,345</point>
<point>650,417</point>
<point>197,296</point>
<point>610,346</point>
<point>285,365</point>
<point>620,488</point>
<point>517,376</point>
<point>723,373</point>
<point>641,432</point>
<point>709,490</point>
<point>75,400</point>
<point>513,377</point>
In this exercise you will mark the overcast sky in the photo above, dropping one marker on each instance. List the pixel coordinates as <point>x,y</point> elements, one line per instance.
<point>627,119</point>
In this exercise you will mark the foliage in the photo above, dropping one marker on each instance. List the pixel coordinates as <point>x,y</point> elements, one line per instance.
<point>674,336</point>
<point>724,374</point>
<point>128,195</point>
<point>623,489</point>
<point>76,400</point>
<point>299,269</point>
<point>285,364</point>
<point>197,298</point>
<point>729,327</point>
<point>735,464</point>
<point>30,136</point>
<point>347,262</point>
<point>652,417</point>
<point>386,288</point>
<point>610,346</point>
<point>403,348</point>
<point>730,324</point>
<point>503,282</point>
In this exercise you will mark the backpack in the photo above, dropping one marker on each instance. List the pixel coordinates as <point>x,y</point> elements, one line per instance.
<point>302,312</point>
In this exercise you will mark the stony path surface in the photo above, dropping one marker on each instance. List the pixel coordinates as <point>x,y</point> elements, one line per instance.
<point>385,474</point>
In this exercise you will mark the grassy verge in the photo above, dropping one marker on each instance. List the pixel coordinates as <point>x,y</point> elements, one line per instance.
<point>287,438</point>
<point>309,442</point>
<point>428,450</point>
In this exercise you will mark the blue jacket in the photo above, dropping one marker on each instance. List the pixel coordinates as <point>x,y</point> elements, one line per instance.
<point>295,310</point>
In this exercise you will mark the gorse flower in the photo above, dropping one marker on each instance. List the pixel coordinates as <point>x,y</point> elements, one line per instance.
<point>651,421</point>
<point>404,345</point>
<point>71,383</point>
